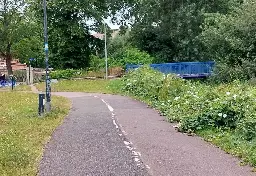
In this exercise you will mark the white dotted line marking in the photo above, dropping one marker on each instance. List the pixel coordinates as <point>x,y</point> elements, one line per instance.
<point>109,107</point>
<point>135,155</point>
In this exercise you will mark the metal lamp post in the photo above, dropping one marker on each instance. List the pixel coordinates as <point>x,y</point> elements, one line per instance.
<point>47,76</point>
<point>106,53</point>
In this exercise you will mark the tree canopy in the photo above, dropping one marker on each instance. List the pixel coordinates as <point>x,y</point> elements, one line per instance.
<point>19,32</point>
<point>168,30</point>
<point>70,23</point>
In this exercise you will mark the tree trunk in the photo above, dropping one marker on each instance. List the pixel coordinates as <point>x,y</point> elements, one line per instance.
<point>9,60</point>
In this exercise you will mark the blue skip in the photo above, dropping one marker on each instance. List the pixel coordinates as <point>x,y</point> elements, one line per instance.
<point>186,70</point>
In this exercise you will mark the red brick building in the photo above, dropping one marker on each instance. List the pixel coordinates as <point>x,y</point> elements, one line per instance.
<point>16,65</point>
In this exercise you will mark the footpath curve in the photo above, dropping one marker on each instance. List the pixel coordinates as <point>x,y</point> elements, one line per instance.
<point>115,135</point>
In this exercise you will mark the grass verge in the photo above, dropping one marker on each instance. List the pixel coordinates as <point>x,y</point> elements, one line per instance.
<point>22,88</point>
<point>232,144</point>
<point>90,86</point>
<point>17,88</point>
<point>23,134</point>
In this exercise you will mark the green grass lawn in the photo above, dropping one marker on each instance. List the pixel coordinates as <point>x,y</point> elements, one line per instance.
<point>90,86</point>
<point>17,88</point>
<point>23,134</point>
<point>22,88</point>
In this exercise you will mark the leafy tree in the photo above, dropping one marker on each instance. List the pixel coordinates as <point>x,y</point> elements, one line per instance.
<point>70,41</point>
<point>170,29</point>
<point>122,52</point>
<point>30,47</point>
<point>118,45</point>
<point>230,39</point>
<point>10,27</point>
<point>15,26</point>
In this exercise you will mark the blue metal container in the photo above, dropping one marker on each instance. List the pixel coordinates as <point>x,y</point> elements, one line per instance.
<point>182,69</point>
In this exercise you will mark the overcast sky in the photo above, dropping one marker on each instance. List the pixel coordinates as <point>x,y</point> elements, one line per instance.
<point>108,21</point>
<point>110,24</point>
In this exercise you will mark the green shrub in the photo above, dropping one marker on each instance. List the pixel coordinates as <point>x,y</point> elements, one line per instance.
<point>224,109</point>
<point>195,105</point>
<point>226,73</point>
<point>121,59</point>
<point>201,108</point>
<point>144,83</point>
<point>247,127</point>
<point>64,74</point>
<point>96,63</point>
<point>131,56</point>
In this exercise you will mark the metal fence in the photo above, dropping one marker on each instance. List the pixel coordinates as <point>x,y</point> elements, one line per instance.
<point>182,69</point>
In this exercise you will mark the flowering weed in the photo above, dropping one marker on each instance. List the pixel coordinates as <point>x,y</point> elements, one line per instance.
<point>201,108</point>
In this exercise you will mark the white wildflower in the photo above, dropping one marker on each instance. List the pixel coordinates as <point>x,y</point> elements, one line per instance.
<point>195,96</point>
<point>228,93</point>
<point>220,114</point>
<point>225,115</point>
<point>235,96</point>
<point>176,98</point>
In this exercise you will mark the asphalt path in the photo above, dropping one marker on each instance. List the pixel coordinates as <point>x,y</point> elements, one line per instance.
<point>114,135</point>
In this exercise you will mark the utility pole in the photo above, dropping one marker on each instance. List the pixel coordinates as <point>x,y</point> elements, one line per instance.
<point>47,75</point>
<point>106,53</point>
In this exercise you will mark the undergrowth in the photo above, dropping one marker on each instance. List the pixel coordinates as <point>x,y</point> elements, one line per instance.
<point>224,114</point>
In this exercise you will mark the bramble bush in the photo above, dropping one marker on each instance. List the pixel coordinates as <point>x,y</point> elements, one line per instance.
<point>197,106</point>
<point>144,83</point>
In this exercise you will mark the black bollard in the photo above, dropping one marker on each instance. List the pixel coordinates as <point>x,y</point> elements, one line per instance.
<point>13,82</point>
<point>41,104</point>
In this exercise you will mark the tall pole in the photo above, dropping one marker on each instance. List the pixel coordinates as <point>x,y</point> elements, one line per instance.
<point>47,76</point>
<point>106,53</point>
<point>29,71</point>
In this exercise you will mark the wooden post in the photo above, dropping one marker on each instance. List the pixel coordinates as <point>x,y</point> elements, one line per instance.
<point>30,76</point>
<point>27,75</point>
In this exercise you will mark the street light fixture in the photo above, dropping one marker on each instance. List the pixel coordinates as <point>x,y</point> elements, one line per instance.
<point>47,75</point>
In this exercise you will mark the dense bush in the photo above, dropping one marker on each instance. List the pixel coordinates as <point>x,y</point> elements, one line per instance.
<point>135,56</point>
<point>230,40</point>
<point>131,56</point>
<point>144,85</point>
<point>64,74</point>
<point>127,56</point>
<point>96,63</point>
<point>197,106</point>
<point>224,73</point>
